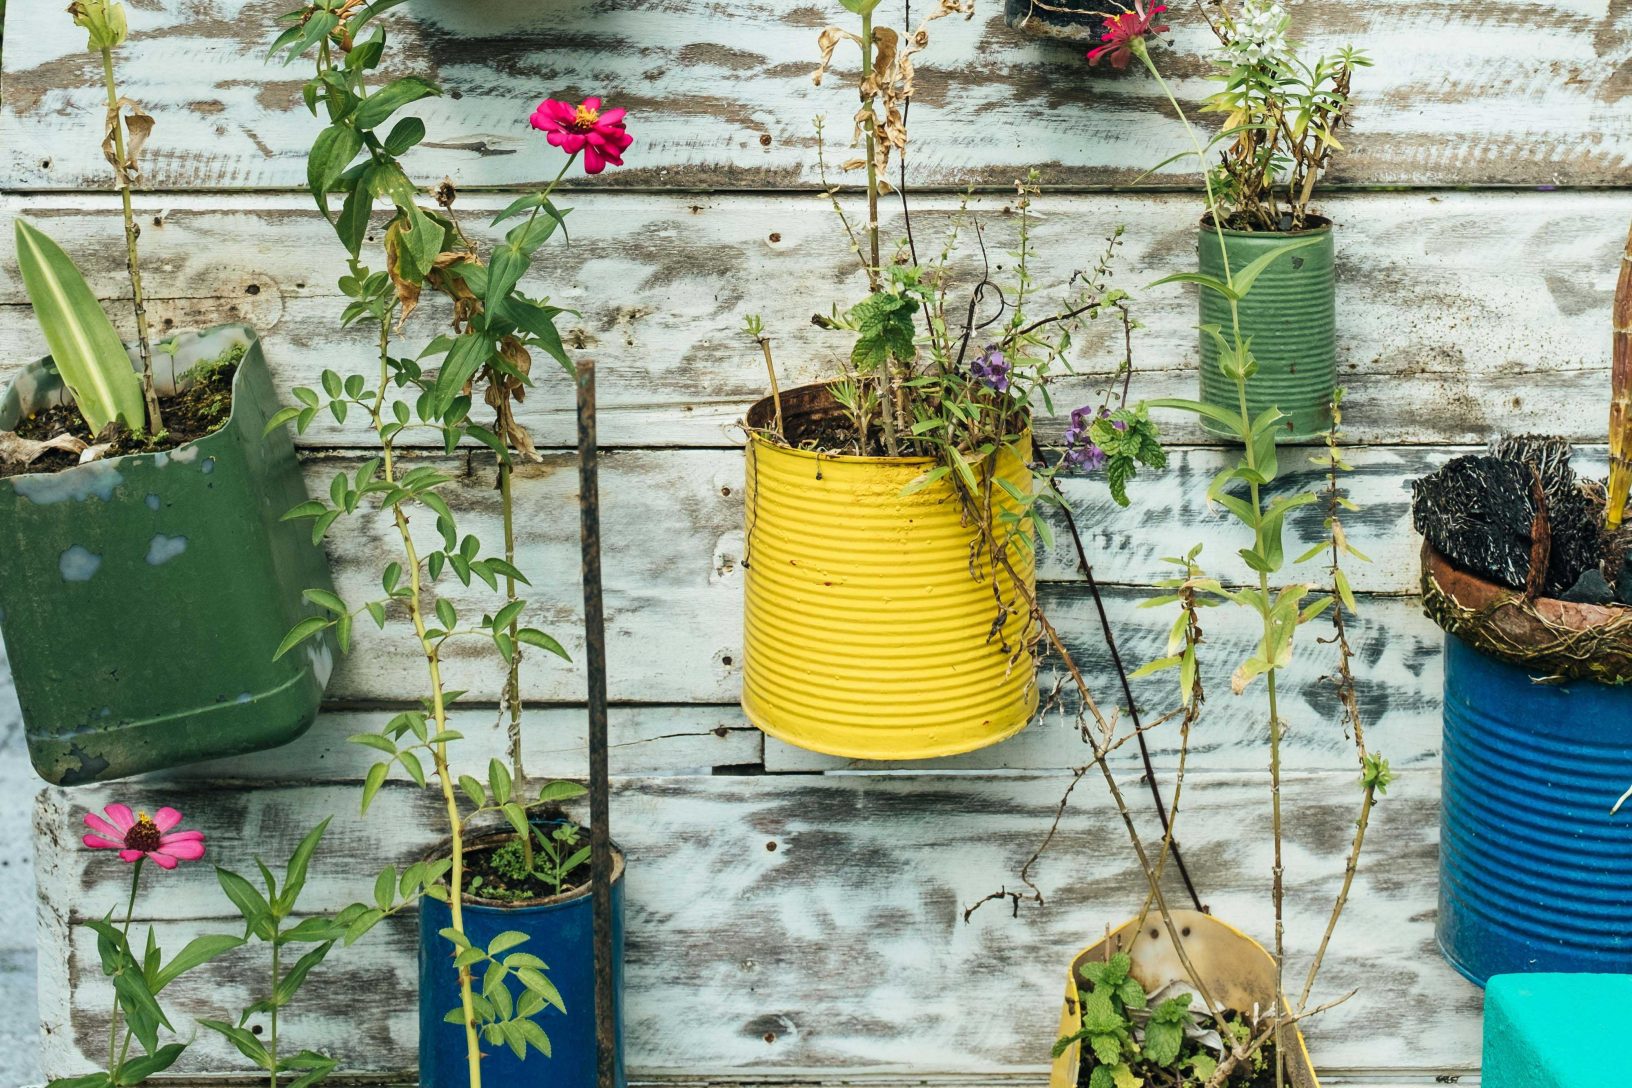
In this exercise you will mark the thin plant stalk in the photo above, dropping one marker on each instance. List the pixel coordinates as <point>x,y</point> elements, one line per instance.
<point>1278,886</point>
<point>272,1040</point>
<point>776,393</point>
<point>155,424</point>
<point>439,710</point>
<point>886,379</point>
<point>115,1058</point>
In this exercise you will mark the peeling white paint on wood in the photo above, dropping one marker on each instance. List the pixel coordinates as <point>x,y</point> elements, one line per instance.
<point>1459,314</point>
<point>757,904</point>
<point>1504,93</point>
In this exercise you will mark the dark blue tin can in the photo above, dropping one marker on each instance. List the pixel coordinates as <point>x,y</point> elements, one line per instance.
<point>1535,873</point>
<point>559,932</point>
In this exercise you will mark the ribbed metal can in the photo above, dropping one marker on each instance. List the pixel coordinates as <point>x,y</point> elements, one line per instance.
<point>1290,316</point>
<point>1535,872</point>
<point>873,626</point>
<point>560,931</point>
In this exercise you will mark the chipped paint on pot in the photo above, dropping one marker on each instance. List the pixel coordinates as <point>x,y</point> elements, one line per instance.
<point>142,597</point>
<point>560,931</point>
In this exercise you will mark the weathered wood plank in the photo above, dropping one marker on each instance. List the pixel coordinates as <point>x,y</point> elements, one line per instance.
<point>721,96</point>
<point>1460,314</point>
<point>674,598</point>
<point>757,903</point>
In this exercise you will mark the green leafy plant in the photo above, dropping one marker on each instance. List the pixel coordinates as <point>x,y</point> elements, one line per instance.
<point>555,856</point>
<point>139,978</point>
<point>1132,1042</point>
<point>266,910</point>
<point>84,346</point>
<point>487,357</point>
<point>1282,115</point>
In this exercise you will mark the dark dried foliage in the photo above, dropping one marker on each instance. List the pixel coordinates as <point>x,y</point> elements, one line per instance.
<point>1480,513</point>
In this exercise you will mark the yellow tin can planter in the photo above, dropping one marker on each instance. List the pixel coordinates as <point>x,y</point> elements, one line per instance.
<point>1235,969</point>
<point>871,617</point>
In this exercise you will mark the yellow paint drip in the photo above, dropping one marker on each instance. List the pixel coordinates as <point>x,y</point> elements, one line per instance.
<point>868,633</point>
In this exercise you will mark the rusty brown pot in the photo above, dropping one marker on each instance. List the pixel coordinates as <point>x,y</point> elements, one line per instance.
<point>1558,638</point>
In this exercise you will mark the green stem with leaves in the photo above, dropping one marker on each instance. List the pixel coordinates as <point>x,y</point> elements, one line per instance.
<point>115,1059</point>
<point>155,423</point>
<point>1263,602</point>
<point>272,1031</point>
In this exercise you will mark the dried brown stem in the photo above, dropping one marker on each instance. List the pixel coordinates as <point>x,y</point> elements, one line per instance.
<point>1620,405</point>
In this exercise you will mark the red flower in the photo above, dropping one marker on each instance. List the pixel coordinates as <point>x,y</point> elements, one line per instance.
<point>598,133</point>
<point>138,835</point>
<point>1121,31</point>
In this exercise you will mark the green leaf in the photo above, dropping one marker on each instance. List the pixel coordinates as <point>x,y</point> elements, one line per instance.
<point>352,226</point>
<point>1212,283</point>
<point>404,135</point>
<point>249,901</point>
<point>242,1038</point>
<point>462,362</point>
<point>505,941</point>
<point>498,781</point>
<point>89,1080</point>
<point>84,347</point>
<point>324,599</point>
<point>373,782</point>
<point>291,982</point>
<point>199,950</point>
<point>378,107</point>
<point>301,631</point>
<point>331,153</point>
<point>1245,278</point>
<point>137,1070</point>
<point>504,271</point>
<point>560,791</point>
<point>535,981</point>
<point>534,637</point>
<point>141,1008</point>
<point>295,875</point>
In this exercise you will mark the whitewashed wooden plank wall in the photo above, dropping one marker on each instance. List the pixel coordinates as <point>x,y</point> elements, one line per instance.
<point>1480,213</point>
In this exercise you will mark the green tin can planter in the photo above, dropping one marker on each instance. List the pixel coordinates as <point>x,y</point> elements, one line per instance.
<point>1290,315</point>
<point>143,597</point>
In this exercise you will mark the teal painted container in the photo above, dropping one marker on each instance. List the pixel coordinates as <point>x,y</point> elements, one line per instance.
<point>142,597</point>
<point>1290,317</point>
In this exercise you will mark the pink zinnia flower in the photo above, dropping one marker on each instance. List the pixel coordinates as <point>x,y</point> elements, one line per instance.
<point>598,133</point>
<point>138,835</point>
<point>1121,31</point>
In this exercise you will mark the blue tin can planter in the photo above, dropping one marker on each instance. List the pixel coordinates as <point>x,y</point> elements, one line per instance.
<point>1535,874</point>
<point>1535,870</point>
<point>560,932</point>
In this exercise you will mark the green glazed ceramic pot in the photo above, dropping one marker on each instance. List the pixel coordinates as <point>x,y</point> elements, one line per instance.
<point>1290,316</point>
<point>142,597</point>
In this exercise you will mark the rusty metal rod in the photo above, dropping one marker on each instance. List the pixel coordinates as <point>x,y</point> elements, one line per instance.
<point>600,835</point>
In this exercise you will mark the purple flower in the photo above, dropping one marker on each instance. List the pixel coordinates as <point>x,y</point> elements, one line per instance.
<point>1088,456</point>
<point>991,368</point>
<point>1080,450</point>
